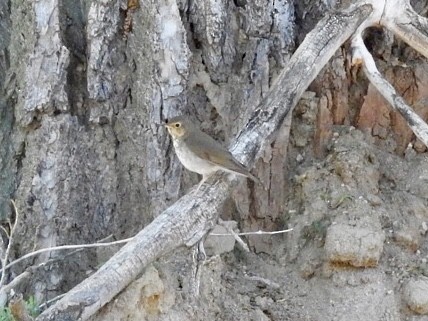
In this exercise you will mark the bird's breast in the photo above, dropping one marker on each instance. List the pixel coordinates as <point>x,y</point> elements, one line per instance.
<point>191,161</point>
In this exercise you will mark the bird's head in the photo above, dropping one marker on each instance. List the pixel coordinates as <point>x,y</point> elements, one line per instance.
<point>178,127</point>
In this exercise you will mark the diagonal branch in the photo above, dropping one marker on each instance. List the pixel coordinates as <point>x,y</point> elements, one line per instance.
<point>361,54</point>
<point>186,221</point>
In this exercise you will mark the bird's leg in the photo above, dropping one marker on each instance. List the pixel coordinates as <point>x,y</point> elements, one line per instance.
<point>202,256</point>
<point>199,256</point>
<point>203,180</point>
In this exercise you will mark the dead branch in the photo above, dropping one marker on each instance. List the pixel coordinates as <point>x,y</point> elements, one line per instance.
<point>187,221</point>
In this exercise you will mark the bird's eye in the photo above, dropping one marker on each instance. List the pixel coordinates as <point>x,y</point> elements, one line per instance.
<point>177,125</point>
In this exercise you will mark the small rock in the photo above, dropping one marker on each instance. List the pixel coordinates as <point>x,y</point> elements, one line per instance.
<point>416,295</point>
<point>407,239</point>
<point>424,228</point>
<point>355,246</point>
<point>374,200</point>
<point>307,269</point>
<point>419,146</point>
<point>409,153</point>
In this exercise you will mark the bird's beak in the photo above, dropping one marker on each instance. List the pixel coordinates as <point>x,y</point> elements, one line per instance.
<point>168,127</point>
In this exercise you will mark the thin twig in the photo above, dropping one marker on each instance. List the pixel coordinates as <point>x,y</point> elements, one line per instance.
<point>254,233</point>
<point>235,235</point>
<point>46,304</point>
<point>80,246</point>
<point>265,281</point>
<point>9,246</point>
<point>5,231</point>
<point>66,247</point>
<point>51,260</point>
<point>27,273</point>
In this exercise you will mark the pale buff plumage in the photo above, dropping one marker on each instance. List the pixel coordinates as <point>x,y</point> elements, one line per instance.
<point>199,152</point>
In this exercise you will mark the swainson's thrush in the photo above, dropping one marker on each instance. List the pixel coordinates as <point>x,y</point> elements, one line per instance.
<point>200,153</point>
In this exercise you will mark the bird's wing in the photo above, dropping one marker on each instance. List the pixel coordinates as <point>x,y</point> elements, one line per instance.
<point>217,154</point>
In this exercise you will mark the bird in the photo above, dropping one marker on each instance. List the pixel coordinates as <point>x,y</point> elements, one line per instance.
<point>200,153</point>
